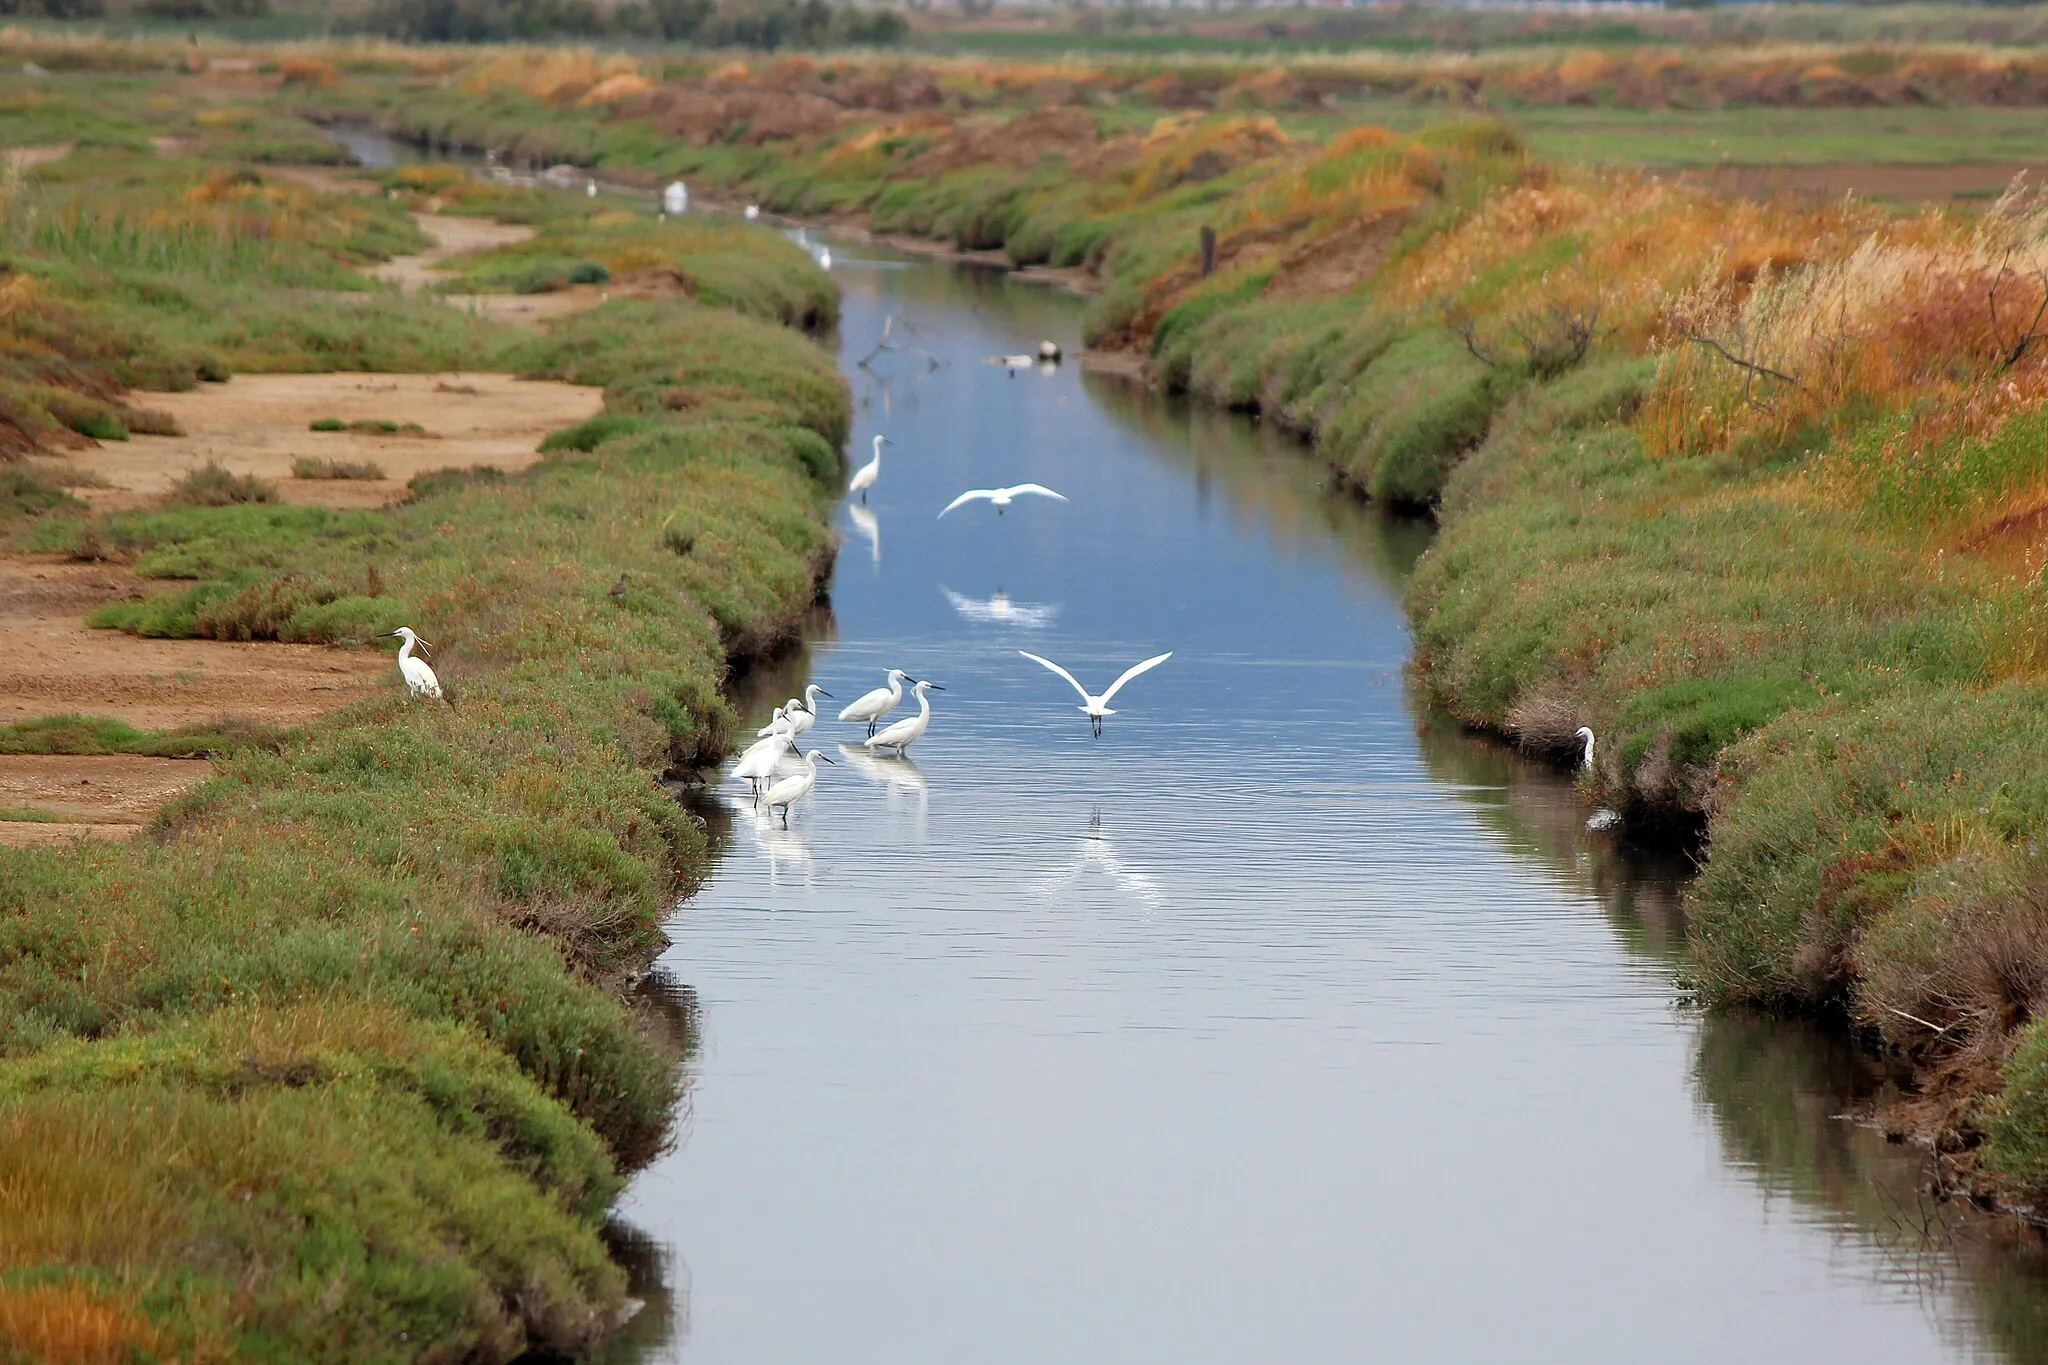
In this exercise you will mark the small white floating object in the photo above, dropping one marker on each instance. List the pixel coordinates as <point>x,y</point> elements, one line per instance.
<point>1049,350</point>
<point>1603,819</point>
<point>419,678</point>
<point>1013,362</point>
<point>1002,497</point>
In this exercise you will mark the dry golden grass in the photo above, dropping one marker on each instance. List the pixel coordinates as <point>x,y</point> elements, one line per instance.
<point>67,1323</point>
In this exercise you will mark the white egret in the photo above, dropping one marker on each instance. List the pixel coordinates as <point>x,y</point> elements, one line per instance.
<point>758,763</point>
<point>864,478</point>
<point>1000,610</point>
<point>793,789</point>
<point>825,263</point>
<point>777,720</point>
<point>1002,497</point>
<point>590,189</point>
<point>419,678</point>
<point>876,704</point>
<point>1586,761</point>
<point>753,212</point>
<point>806,715</point>
<point>908,731</point>
<point>1095,708</point>
<point>1049,350</point>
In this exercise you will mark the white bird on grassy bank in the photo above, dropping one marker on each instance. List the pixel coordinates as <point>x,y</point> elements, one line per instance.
<point>1002,497</point>
<point>864,478</point>
<point>904,733</point>
<point>791,790</point>
<point>419,678</point>
<point>1585,760</point>
<point>753,212</point>
<point>874,705</point>
<point>1095,708</point>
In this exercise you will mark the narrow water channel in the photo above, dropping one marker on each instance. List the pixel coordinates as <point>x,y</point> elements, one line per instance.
<point>1282,1022</point>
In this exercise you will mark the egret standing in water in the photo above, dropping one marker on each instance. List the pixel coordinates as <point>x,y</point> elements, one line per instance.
<point>908,731</point>
<point>805,716</point>
<point>1002,497</point>
<point>759,762</point>
<point>864,477</point>
<point>1095,708</point>
<point>793,789</point>
<point>878,703</point>
<point>419,678</point>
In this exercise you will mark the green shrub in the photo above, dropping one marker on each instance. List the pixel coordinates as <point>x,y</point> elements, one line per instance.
<point>212,485</point>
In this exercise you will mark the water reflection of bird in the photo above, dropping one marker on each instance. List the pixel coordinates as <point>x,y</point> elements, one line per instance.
<point>900,777</point>
<point>872,706</point>
<point>1000,610</point>
<point>784,847</point>
<point>1097,854</point>
<point>907,732</point>
<point>864,521</point>
<point>1094,707</point>
<point>795,788</point>
<point>1002,497</point>
<point>864,478</point>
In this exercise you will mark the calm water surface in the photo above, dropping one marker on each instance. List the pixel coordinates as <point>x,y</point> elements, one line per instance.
<point>1280,1023</point>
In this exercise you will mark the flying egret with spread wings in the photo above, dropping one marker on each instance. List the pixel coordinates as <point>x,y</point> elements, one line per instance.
<point>1002,497</point>
<point>1095,708</point>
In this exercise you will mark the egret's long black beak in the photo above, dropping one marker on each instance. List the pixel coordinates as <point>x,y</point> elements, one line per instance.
<point>823,759</point>
<point>823,693</point>
<point>932,686</point>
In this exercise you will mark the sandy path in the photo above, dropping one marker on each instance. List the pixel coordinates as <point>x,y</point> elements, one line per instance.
<point>102,797</point>
<point>260,423</point>
<point>453,236</point>
<point>56,665</point>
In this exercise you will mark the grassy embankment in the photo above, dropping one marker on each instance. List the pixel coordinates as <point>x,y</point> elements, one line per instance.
<point>1756,491</point>
<point>335,1062</point>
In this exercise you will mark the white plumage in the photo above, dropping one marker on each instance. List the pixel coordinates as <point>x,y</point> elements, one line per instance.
<point>904,733</point>
<point>1094,707</point>
<point>1002,497</point>
<point>871,707</point>
<point>796,787</point>
<point>864,477</point>
<point>419,678</point>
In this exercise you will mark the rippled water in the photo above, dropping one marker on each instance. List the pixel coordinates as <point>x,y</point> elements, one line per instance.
<point>1280,1023</point>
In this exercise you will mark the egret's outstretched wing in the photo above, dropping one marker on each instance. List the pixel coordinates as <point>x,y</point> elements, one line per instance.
<point>1057,669</point>
<point>1037,488</point>
<point>969,496</point>
<point>1133,671</point>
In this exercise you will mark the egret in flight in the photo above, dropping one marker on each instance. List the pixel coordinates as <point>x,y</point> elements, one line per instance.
<point>878,703</point>
<point>864,477</point>
<point>796,787</point>
<point>1002,497</point>
<point>1095,708</point>
<point>419,678</point>
<point>909,730</point>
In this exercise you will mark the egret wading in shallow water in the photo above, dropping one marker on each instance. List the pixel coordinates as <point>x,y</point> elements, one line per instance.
<point>759,762</point>
<point>874,705</point>
<point>805,716</point>
<point>864,478</point>
<point>1602,819</point>
<point>906,732</point>
<point>419,678</point>
<point>1095,708</point>
<point>793,789</point>
<point>1002,497</point>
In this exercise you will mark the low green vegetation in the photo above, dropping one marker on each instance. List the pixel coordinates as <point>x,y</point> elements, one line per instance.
<point>335,1062</point>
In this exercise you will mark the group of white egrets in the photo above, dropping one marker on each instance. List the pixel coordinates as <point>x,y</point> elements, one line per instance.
<point>782,737</point>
